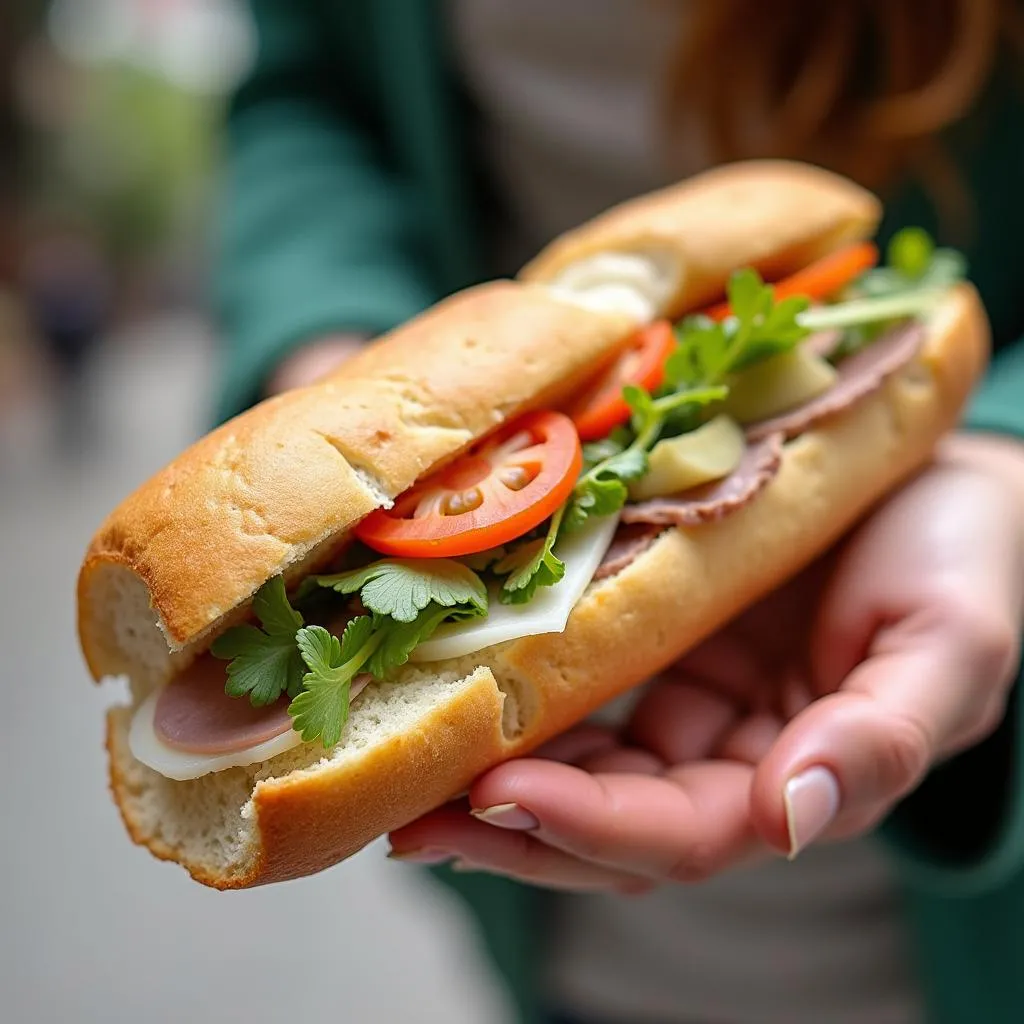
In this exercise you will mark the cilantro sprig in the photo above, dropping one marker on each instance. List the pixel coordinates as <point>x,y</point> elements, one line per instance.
<point>530,565</point>
<point>696,375</point>
<point>402,587</point>
<point>264,663</point>
<point>407,599</point>
<point>321,709</point>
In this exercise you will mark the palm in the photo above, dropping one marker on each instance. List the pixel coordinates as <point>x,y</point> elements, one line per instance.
<point>726,700</point>
<point>667,794</point>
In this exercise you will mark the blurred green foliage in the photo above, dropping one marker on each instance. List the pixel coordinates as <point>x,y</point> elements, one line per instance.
<point>135,159</point>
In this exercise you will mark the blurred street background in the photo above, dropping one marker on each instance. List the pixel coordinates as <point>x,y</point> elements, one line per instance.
<point>108,149</point>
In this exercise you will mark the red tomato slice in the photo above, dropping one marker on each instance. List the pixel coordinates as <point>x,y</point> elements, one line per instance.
<point>499,490</point>
<point>602,408</point>
<point>821,279</point>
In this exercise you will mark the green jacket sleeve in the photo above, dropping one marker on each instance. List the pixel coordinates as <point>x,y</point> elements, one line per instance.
<point>318,233</point>
<point>962,831</point>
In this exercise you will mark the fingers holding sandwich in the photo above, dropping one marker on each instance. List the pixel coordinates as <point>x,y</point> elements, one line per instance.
<point>919,638</point>
<point>453,835</point>
<point>620,820</point>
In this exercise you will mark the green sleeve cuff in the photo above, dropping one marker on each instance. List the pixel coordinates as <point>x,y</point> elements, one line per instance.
<point>998,407</point>
<point>371,303</point>
<point>316,237</point>
<point>962,831</point>
<point>509,918</point>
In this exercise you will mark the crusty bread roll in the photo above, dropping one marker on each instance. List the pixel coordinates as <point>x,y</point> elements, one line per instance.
<point>278,488</point>
<point>772,215</point>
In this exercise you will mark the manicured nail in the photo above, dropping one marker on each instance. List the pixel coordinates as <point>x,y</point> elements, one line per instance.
<point>812,802</point>
<point>426,855</point>
<point>507,816</point>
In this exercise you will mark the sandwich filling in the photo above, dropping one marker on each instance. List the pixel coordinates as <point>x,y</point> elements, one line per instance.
<point>686,425</point>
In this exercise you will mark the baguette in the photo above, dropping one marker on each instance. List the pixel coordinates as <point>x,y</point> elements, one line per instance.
<point>278,489</point>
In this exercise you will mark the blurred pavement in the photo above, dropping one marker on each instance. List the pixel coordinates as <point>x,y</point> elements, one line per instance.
<point>91,927</point>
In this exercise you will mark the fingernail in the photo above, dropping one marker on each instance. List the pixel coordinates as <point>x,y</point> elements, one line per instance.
<point>426,855</point>
<point>507,816</point>
<point>812,802</point>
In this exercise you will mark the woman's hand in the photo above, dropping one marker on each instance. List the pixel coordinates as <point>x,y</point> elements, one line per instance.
<point>312,361</point>
<point>808,717</point>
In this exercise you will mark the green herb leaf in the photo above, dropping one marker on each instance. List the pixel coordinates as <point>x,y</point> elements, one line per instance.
<point>910,252</point>
<point>400,639</point>
<point>402,587</point>
<point>597,451</point>
<point>707,352</point>
<point>321,710</point>
<point>273,609</point>
<point>749,297</point>
<point>696,375</point>
<point>594,496</point>
<point>701,347</point>
<point>630,464</point>
<point>641,404</point>
<point>263,664</point>
<point>531,565</point>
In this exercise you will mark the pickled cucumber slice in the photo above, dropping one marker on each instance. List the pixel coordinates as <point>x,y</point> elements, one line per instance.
<point>710,452</point>
<point>777,385</point>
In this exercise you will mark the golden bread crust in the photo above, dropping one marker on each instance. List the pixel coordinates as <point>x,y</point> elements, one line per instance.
<point>626,628</point>
<point>290,476</point>
<point>773,215</point>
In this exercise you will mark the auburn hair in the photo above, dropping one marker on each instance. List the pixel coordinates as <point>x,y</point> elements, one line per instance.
<point>865,87</point>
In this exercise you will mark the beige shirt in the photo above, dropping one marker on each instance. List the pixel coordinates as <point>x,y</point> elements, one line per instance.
<point>568,96</point>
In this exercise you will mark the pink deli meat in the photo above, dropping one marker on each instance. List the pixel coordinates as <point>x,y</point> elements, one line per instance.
<point>194,714</point>
<point>858,376</point>
<point>710,502</point>
<point>628,544</point>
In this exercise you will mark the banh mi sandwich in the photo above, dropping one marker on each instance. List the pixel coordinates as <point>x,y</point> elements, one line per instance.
<point>339,608</point>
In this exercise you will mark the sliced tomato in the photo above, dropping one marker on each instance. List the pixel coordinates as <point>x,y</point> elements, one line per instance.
<point>822,279</point>
<point>602,408</point>
<point>498,491</point>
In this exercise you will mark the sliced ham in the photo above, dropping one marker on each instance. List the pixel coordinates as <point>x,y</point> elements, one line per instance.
<point>859,375</point>
<point>629,543</point>
<point>713,501</point>
<point>194,714</point>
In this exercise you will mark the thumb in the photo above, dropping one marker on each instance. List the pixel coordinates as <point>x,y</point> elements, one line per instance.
<point>926,690</point>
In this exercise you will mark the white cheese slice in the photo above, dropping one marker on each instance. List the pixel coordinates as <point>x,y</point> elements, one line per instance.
<point>179,765</point>
<point>547,612</point>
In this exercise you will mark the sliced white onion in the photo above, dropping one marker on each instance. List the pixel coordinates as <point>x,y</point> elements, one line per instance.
<point>547,612</point>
